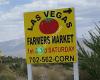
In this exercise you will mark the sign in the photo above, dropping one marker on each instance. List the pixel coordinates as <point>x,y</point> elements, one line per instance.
<point>50,36</point>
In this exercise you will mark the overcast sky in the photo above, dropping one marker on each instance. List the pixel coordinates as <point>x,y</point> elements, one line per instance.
<point>11,15</point>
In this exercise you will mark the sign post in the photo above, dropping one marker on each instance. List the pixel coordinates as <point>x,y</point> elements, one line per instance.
<point>50,36</point>
<point>76,71</point>
<point>29,71</point>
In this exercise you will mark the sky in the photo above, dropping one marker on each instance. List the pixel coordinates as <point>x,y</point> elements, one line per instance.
<point>87,12</point>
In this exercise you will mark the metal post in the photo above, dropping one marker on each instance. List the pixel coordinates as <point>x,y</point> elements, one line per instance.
<point>75,65</point>
<point>76,71</point>
<point>29,71</point>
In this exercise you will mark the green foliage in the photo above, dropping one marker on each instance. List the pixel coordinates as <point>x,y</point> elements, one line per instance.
<point>89,60</point>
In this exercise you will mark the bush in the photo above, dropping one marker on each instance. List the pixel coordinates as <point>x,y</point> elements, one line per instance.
<point>89,57</point>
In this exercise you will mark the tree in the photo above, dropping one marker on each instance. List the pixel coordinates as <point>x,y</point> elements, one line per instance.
<point>89,60</point>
